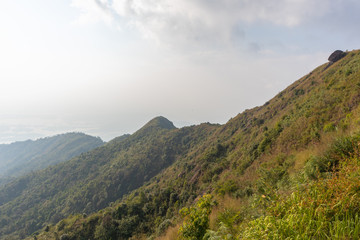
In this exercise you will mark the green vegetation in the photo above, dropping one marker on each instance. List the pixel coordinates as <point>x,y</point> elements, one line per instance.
<point>286,170</point>
<point>327,208</point>
<point>97,178</point>
<point>197,219</point>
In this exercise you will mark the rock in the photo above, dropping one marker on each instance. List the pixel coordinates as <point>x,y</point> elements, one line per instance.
<point>336,56</point>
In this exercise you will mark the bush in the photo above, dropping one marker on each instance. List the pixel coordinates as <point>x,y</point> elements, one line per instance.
<point>315,166</point>
<point>348,72</point>
<point>196,219</point>
<point>222,234</point>
<point>163,226</point>
<point>228,186</point>
<point>229,218</point>
<point>64,237</point>
<point>342,148</point>
<point>329,127</point>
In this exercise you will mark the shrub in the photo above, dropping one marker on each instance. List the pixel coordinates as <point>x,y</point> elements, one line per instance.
<point>342,148</point>
<point>196,219</point>
<point>222,234</point>
<point>229,218</point>
<point>64,237</point>
<point>329,127</point>
<point>163,226</point>
<point>228,186</point>
<point>348,72</point>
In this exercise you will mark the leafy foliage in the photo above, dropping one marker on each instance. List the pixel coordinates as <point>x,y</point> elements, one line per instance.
<point>196,219</point>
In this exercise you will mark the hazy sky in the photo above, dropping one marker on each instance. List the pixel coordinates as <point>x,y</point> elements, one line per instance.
<point>106,67</point>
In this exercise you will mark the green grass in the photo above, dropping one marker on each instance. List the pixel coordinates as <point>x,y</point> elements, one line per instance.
<point>327,208</point>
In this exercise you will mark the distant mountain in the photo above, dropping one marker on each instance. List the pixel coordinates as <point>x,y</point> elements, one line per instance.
<point>19,158</point>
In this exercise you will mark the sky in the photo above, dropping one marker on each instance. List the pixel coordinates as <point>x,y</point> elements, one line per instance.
<point>106,67</point>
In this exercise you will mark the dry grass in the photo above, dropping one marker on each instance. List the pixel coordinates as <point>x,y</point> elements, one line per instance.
<point>171,233</point>
<point>226,202</point>
<point>138,237</point>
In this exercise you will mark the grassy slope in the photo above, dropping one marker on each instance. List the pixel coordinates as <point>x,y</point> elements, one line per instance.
<point>325,208</point>
<point>249,159</point>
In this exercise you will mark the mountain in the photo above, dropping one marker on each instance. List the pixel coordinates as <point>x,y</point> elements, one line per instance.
<point>287,169</point>
<point>19,158</point>
<point>92,180</point>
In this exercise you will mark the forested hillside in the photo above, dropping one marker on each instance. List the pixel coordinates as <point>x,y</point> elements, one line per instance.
<point>19,158</point>
<point>94,179</point>
<point>286,170</point>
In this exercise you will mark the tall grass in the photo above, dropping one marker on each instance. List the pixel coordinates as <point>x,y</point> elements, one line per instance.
<point>327,208</point>
<point>171,233</point>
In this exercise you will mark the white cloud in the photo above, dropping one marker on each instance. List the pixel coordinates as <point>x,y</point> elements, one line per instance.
<point>179,22</point>
<point>288,13</point>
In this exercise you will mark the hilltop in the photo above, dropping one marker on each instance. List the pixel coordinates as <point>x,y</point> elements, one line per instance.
<point>159,122</point>
<point>255,174</point>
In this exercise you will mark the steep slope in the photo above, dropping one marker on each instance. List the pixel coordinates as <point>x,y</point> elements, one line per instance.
<point>249,159</point>
<point>20,158</point>
<point>92,180</point>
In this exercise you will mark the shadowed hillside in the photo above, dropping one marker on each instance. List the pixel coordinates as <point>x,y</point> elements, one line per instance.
<point>19,158</point>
